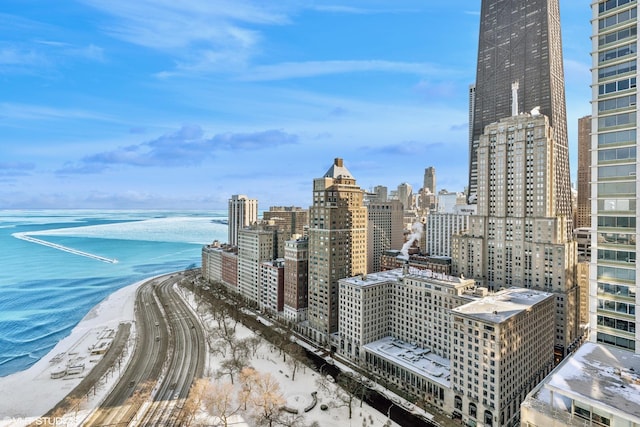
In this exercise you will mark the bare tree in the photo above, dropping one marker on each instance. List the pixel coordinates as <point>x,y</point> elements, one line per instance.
<point>194,400</point>
<point>220,401</point>
<point>254,342</point>
<point>297,358</point>
<point>266,399</point>
<point>231,367</point>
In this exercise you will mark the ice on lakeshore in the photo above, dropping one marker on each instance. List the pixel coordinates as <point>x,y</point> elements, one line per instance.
<point>181,229</point>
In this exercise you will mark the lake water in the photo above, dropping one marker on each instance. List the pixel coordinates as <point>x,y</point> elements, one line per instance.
<point>46,291</point>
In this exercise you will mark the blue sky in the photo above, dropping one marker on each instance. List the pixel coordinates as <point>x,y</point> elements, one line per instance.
<point>179,104</point>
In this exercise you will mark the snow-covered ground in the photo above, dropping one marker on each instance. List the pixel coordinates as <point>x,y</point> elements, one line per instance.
<point>297,393</point>
<point>29,394</point>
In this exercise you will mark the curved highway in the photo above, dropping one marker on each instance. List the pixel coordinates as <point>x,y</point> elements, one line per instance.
<point>168,355</point>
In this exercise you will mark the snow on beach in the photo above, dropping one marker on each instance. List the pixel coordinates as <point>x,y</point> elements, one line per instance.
<point>29,394</point>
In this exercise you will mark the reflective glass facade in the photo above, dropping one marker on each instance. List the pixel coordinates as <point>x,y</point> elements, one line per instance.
<point>614,168</point>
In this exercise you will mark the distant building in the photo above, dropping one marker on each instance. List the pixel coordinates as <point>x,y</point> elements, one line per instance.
<point>385,230</point>
<point>296,279</point>
<point>243,212</point>
<point>405,195</point>
<point>272,286</point>
<point>441,227</point>
<point>291,219</point>
<point>391,260</point>
<point>583,208</point>
<point>255,246</point>
<point>220,264</point>
<point>430,179</point>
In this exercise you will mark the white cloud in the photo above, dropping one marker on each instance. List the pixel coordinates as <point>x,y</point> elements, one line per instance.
<point>287,70</point>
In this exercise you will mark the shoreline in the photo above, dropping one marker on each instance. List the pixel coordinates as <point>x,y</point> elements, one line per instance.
<point>33,391</point>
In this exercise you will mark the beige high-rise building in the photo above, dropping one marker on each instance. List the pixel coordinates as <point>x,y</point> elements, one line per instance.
<point>337,245</point>
<point>517,237</point>
<point>243,212</point>
<point>583,207</point>
<point>502,347</point>
<point>255,246</point>
<point>386,231</point>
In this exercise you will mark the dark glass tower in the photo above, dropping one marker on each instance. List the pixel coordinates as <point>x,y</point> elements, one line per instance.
<point>520,41</point>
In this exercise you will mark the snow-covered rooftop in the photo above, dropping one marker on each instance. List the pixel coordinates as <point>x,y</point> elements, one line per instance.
<point>502,305</point>
<point>412,357</point>
<point>595,374</point>
<point>375,278</point>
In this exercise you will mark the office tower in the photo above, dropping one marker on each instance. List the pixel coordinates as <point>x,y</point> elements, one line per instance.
<point>337,245</point>
<point>472,107</point>
<point>243,212</point>
<point>520,43</point>
<point>583,207</point>
<point>385,230</point>
<point>255,246</point>
<point>430,179</point>
<point>405,195</point>
<point>296,273</point>
<point>502,347</point>
<point>517,237</point>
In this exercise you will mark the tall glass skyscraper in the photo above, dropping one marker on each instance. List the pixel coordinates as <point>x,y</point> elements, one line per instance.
<point>614,192</point>
<point>520,42</point>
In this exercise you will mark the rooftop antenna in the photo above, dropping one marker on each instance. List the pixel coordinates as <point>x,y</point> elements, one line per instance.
<point>514,98</point>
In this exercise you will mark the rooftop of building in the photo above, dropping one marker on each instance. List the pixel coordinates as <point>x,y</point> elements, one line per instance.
<point>374,278</point>
<point>601,376</point>
<point>338,170</point>
<point>498,307</point>
<point>412,357</point>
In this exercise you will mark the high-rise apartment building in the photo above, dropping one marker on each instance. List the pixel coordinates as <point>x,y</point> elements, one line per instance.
<point>291,219</point>
<point>255,246</point>
<point>385,230</point>
<point>583,206</point>
<point>599,384</point>
<point>243,212</point>
<point>520,43</point>
<point>517,237</point>
<point>615,311</point>
<point>337,245</point>
<point>296,273</point>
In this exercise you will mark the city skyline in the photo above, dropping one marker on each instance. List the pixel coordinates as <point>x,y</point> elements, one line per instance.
<point>153,106</point>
